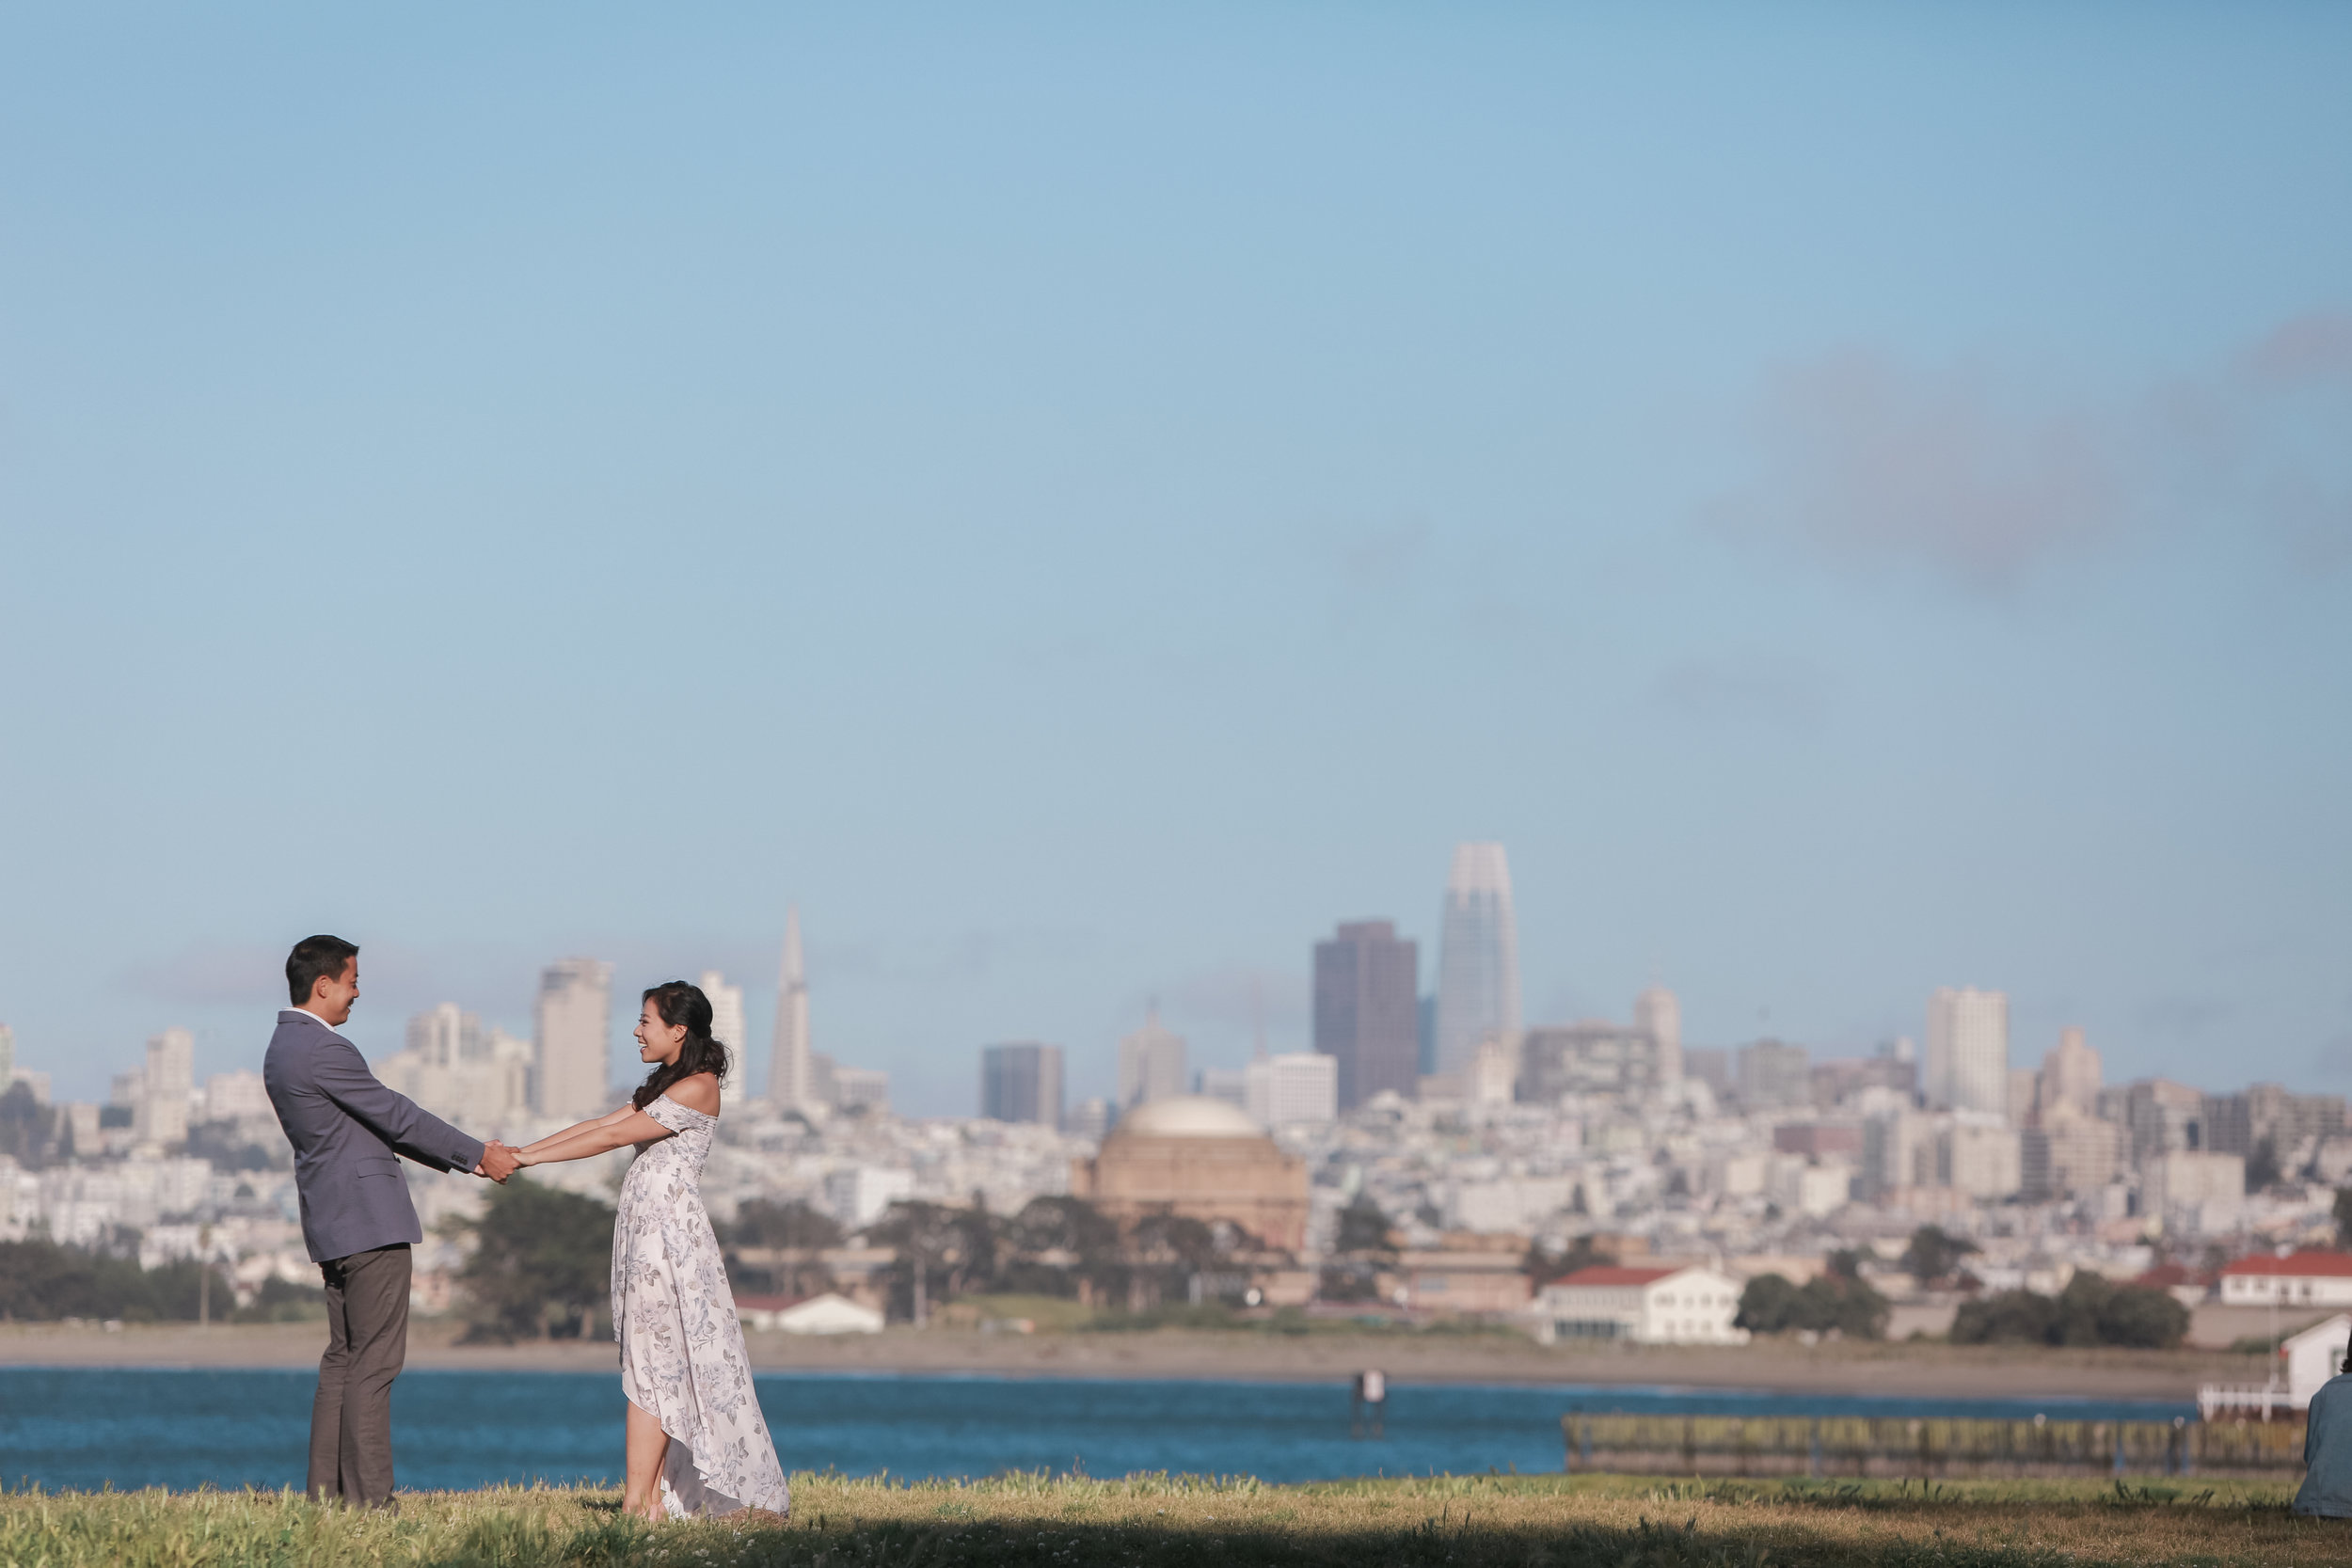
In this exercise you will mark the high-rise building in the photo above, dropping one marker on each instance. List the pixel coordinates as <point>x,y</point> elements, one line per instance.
<point>2069,1155</point>
<point>7,1057</point>
<point>1659,1015</point>
<point>1151,1063</point>
<point>159,1111</point>
<point>1022,1083</point>
<point>2070,1074</point>
<point>1367,1009</point>
<point>1968,1050</point>
<point>1595,1057</point>
<point>446,1037</point>
<point>861,1088</point>
<point>1771,1072</point>
<point>2159,1118</point>
<point>1298,1088</point>
<point>572,1032</point>
<point>788,1085</point>
<point>726,1014</point>
<point>2024,1097</point>
<point>1478,959</point>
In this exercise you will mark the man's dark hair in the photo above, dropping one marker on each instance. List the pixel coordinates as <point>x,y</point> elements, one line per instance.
<point>316,959</point>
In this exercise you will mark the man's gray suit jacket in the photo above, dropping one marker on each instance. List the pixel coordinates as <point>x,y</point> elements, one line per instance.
<point>349,1132</point>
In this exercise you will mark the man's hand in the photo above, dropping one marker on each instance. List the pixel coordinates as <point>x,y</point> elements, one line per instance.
<point>498,1161</point>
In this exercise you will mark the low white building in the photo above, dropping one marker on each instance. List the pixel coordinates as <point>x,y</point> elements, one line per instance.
<point>2305,1362</point>
<point>1690,1305</point>
<point>2299,1280</point>
<point>830,1313</point>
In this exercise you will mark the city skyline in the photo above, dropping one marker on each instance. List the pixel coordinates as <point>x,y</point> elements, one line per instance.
<point>1856,504</point>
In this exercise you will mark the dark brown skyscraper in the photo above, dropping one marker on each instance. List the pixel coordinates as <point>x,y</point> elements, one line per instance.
<point>1368,1009</point>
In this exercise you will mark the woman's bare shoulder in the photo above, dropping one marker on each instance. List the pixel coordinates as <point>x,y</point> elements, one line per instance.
<point>697,1093</point>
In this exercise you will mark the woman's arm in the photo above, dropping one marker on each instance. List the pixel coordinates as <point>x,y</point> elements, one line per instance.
<point>578,1128</point>
<point>592,1138</point>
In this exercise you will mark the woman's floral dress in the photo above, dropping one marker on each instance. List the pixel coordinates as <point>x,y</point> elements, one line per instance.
<point>682,1357</point>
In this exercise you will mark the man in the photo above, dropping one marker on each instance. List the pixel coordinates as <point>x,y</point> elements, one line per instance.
<point>349,1132</point>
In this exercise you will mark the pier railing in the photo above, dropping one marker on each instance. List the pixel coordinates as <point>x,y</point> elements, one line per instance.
<point>1925,1447</point>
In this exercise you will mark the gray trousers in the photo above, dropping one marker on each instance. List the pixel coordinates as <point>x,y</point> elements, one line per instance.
<point>367,1343</point>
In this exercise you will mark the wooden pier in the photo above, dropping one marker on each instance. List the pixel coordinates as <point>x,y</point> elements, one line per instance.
<point>1926,1447</point>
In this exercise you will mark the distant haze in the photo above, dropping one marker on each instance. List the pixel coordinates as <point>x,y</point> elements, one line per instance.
<point>1081,501</point>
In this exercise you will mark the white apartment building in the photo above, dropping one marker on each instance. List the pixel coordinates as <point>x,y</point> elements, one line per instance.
<point>1298,1088</point>
<point>1801,1186</point>
<point>445,1034</point>
<point>1658,1013</point>
<point>236,1097</point>
<point>1979,1156</point>
<point>726,1013</point>
<point>1968,1050</point>
<point>1690,1305</point>
<point>159,1106</point>
<point>483,1090</point>
<point>2210,1187</point>
<point>857,1196</point>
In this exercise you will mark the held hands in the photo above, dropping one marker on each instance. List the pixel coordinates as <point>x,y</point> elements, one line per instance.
<point>498,1161</point>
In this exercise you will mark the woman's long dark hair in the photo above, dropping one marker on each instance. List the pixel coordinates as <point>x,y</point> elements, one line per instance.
<point>681,1006</point>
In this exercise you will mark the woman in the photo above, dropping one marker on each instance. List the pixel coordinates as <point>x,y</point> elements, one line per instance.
<point>697,1443</point>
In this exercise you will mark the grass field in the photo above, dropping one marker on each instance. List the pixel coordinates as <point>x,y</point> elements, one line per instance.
<point>1146,1521</point>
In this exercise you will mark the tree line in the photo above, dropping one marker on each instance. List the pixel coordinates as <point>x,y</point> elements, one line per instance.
<point>41,1281</point>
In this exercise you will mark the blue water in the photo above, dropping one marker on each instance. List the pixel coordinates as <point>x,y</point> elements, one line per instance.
<point>85,1428</point>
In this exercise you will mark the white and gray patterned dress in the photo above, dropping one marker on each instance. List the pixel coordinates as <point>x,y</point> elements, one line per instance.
<point>681,1348</point>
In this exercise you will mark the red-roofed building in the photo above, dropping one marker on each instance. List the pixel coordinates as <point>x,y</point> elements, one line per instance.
<point>1655,1305</point>
<point>2299,1280</point>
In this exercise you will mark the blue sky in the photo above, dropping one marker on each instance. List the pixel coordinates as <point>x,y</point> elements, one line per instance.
<point>1082,499</point>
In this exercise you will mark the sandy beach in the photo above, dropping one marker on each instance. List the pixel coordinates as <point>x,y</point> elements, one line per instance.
<point>1922,1370</point>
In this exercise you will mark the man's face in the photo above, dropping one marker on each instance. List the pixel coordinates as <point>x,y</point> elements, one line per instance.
<point>332,999</point>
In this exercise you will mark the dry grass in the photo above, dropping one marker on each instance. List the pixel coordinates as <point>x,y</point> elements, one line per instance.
<point>1158,1522</point>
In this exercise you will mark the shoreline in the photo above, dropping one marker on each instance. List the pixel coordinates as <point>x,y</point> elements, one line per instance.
<point>1906,1369</point>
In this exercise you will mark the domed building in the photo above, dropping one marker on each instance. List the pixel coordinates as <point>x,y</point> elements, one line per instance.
<point>1201,1158</point>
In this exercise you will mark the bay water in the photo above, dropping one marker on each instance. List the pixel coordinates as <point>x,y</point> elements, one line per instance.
<point>88,1428</point>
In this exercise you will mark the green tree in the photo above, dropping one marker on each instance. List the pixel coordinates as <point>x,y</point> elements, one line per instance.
<point>1062,1246</point>
<point>1934,1255</point>
<point>1768,1305</point>
<point>2007,1317</point>
<point>542,1264</point>
<point>1363,1229</point>
<point>40,1282</point>
<point>2142,1319</point>
<point>937,1246</point>
<point>779,1227</point>
<point>1843,1303</point>
<point>2090,1311</point>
